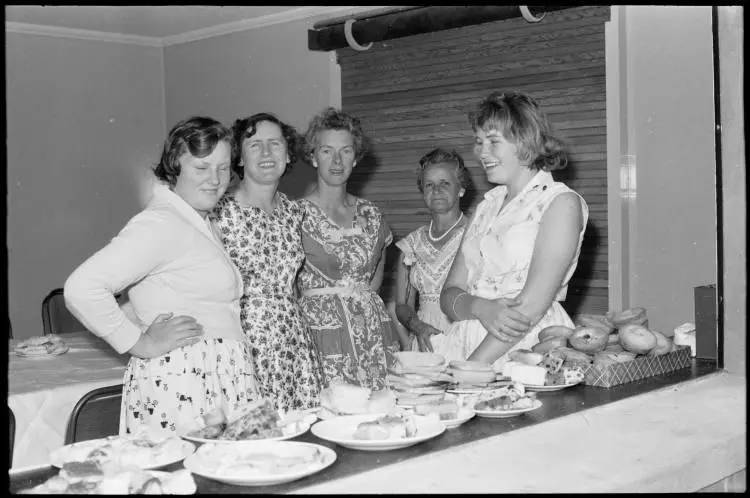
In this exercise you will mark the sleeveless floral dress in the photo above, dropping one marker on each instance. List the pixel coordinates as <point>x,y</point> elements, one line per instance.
<point>352,329</point>
<point>267,250</point>
<point>497,248</point>
<point>429,267</point>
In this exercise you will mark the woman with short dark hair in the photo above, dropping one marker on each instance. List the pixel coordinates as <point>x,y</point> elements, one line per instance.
<point>260,227</point>
<point>192,359</point>
<point>522,246</point>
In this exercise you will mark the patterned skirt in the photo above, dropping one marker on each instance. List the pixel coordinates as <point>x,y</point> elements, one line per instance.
<point>168,392</point>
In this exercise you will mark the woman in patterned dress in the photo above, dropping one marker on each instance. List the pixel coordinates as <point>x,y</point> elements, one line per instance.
<point>427,253</point>
<point>260,228</point>
<point>345,238</point>
<point>523,243</point>
<point>188,356</point>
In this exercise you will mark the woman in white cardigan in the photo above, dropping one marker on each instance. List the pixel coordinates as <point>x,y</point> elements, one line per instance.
<point>188,353</point>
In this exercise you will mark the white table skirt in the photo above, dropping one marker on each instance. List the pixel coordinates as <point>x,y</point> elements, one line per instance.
<point>42,392</point>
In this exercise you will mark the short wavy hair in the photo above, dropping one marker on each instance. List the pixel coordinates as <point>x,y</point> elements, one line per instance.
<point>247,127</point>
<point>335,119</point>
<point>197,136</point>
<point>520,119</point>
<point>443,156</point>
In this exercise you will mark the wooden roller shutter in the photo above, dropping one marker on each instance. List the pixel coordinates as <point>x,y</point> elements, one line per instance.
<point>414,93</point>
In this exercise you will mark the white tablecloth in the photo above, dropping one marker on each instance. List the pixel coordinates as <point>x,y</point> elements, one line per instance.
<point>43,391</point>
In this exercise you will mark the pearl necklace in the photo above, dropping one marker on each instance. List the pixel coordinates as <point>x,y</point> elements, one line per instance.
<point>438,239</point>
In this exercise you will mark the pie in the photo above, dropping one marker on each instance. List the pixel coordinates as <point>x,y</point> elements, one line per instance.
<point>46,345</point>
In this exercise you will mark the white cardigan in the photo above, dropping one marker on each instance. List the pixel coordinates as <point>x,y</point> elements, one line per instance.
<point>176,263</point>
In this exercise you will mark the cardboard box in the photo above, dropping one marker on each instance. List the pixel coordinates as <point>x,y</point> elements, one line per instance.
<point>639,368</point>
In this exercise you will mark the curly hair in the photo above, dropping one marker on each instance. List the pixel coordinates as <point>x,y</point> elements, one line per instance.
<point>334,119</point>
<point>442,156</point>
<point>197,136</point>
<point>247,127</point>
<point>520,119</point>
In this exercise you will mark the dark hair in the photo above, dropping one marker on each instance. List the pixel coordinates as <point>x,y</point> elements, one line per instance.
<point>520,119</point>
<point>440,156</point>
<point>197,136</point>
<point>334,119</point>
<point>247,127</point>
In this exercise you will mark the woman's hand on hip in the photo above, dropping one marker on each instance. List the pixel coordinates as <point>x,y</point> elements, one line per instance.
<point>168,332</point>
<point>502,319</point>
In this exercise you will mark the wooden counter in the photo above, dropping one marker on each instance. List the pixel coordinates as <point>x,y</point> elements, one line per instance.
<point>583,439</point>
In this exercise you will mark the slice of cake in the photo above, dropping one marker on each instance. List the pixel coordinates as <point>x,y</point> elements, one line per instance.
<point>387,427</point>
<point>528,374</point>
<point>260,421</point>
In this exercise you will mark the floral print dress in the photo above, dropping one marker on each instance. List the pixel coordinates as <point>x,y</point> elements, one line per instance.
<point>497,247</point>
<point>267,250</point>
<point>429,267</point>
<point>352,329</point>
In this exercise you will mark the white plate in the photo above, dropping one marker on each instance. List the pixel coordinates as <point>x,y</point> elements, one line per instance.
<point>340,430</point>
<point>507,413</point>
<point>289,432</point>
<point>545,389</point>
<point>217,461</point>
<point>77,451</point>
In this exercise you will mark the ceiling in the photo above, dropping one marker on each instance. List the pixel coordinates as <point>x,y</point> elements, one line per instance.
<point>154,22</point>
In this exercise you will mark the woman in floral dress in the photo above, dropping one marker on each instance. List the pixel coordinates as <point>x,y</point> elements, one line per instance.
<point>427,253</point>
<point>260,228</point>
<point>345,238</point>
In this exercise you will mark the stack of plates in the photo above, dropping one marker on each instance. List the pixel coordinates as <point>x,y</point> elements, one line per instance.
<point>418,378</point>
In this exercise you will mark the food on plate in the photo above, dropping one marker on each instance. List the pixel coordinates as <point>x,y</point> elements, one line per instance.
<point>512,398</point>
<point>259,421</point>
<point>446,409</point>
<point>600,321</point>
<point>555,332</point>
<point>635,316</point>
<point>549,344</point>
<point>387,427</point>
<point>342,398</point>
<point>526,356</point>
<point>46,345</point>
<point>589,339</point>
<point>663,344</point>
<point>419,359</point>
<point>636,339</point>
<point>528,374</point>
<point>134,451</point>
<point>247,461</point>
<point>119,482</point>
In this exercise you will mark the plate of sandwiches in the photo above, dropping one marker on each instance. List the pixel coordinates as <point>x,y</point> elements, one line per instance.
<point>45,346</point>
<point>379,432</point>
<point>132,451</point>
<point>259,463</point>
<point>418,378</point>
<point>260,421</point>
<point>79,481</point>
<point>509,402</point>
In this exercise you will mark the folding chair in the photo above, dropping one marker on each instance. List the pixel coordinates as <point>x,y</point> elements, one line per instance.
<point>12,440</point>
<point>56,318</point>
<point>96,415</point>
